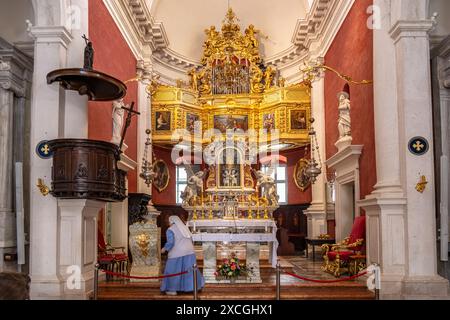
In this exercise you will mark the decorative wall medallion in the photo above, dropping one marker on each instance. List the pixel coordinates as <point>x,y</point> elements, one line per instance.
<point>161,178</point>
<point>302,181</point>
<point>418,146</point>
<point>43,150</point>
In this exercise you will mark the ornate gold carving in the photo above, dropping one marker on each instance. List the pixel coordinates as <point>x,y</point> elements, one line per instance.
<point>143,241</point>
<point>422,184</point>
<point>43,188</point>
<point>232,55</point>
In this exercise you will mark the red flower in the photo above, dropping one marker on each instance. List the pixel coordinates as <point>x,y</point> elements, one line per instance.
<point>233,267</point>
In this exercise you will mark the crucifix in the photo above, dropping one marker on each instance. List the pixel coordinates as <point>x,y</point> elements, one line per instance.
<point>130,113</point>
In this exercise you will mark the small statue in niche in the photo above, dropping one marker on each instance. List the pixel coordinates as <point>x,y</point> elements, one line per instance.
<point>344,123</point>
<point>88,54</point>
<point>117,117</point>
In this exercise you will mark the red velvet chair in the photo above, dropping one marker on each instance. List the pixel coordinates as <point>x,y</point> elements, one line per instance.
<point>109,259</point>
<point>338,257</point>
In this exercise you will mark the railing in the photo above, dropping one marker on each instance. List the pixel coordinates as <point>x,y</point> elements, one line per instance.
<point>116,274</point>
<point>373,283</point>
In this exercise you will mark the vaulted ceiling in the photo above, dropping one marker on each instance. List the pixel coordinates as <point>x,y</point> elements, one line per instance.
<point>185,22</point>
<point>170,33</point>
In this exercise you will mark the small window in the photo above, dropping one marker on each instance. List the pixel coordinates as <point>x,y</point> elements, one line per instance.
<point>279,175</point>
<point>182,178</point>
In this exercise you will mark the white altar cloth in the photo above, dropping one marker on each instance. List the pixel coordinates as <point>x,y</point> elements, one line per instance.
<point>268,232</point>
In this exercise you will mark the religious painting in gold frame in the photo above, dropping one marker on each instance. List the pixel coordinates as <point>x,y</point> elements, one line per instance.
<point>298,120</point>
<point>163,121</point>
<point>223,123</point>
<point>302,181</point>
<point>191,119</point>
<point>268,121</point>
<point>162,176</point>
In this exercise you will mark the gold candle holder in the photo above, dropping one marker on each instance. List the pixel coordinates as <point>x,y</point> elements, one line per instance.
<point>250,214</point>
<point>210,216</point>
<point>194,215</point>
<point>266,213</point>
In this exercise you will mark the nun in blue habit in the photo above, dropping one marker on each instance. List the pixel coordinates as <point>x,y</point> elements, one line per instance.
<point>181,257</point>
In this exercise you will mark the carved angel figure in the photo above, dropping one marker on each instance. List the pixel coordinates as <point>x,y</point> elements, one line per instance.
<point>194,186</point>
<point>267,185</point>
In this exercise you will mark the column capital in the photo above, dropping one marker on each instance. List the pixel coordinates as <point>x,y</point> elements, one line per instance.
<point>411,29</point>
<point>51,34</point>
<point>144,69</point>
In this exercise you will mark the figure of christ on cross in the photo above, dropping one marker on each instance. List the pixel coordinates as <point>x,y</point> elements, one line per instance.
<point>130,112</point>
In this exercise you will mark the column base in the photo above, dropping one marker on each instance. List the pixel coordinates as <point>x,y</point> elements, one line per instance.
<point>398,287</point>
<point>430,288</point>
<point>46,289</point>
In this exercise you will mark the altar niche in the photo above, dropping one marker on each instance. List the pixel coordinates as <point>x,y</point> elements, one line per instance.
<point>230,168</point>
<point>231,211</point>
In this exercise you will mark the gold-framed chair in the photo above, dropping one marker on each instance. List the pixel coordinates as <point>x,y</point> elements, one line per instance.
<point>337,257</point>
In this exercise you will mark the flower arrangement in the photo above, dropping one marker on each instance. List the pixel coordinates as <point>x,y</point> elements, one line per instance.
<point>232,268</point>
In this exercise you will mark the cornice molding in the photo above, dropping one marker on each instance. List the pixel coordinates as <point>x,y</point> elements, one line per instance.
<point>410,29</point>
<point>51,34</point>
<point>16,69</point>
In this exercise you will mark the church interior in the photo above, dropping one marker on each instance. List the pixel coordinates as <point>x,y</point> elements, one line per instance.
<point>303,144</point>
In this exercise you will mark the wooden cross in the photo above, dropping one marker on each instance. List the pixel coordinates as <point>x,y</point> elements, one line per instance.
<point>130,112</point>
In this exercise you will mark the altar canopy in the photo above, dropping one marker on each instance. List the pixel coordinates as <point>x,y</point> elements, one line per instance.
<point>234,111</point>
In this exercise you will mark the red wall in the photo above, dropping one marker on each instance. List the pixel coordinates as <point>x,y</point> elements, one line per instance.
<point>112,56</point>
<point>351,53</point>
<point>295,196</point>
<point>167,196</point>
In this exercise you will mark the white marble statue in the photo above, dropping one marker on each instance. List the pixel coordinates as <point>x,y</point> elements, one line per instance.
<point>117,117</point>
<point>268,188</point>
<point>344,123</point>
<point>194,187</point>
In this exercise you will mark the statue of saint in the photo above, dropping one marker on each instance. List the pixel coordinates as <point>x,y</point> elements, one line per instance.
<point>268,77</point>
<point>194,80</point>
<point>88,54</point>
<point>117,117</point>
<point>344,123</point>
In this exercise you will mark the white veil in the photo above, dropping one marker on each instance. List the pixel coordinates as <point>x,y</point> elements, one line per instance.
<point>181,226</point>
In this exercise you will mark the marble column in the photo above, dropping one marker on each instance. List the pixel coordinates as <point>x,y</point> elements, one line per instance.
<point>15,73</point>
<point>317,211</point>
<point>50,54</point>
<point>144,70</point>
<point>209,261</point>
<point>401,222</point>
<point>119,210</point>
<point>75,115</point>
<point>77,246</point>
<point>7,217</point>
